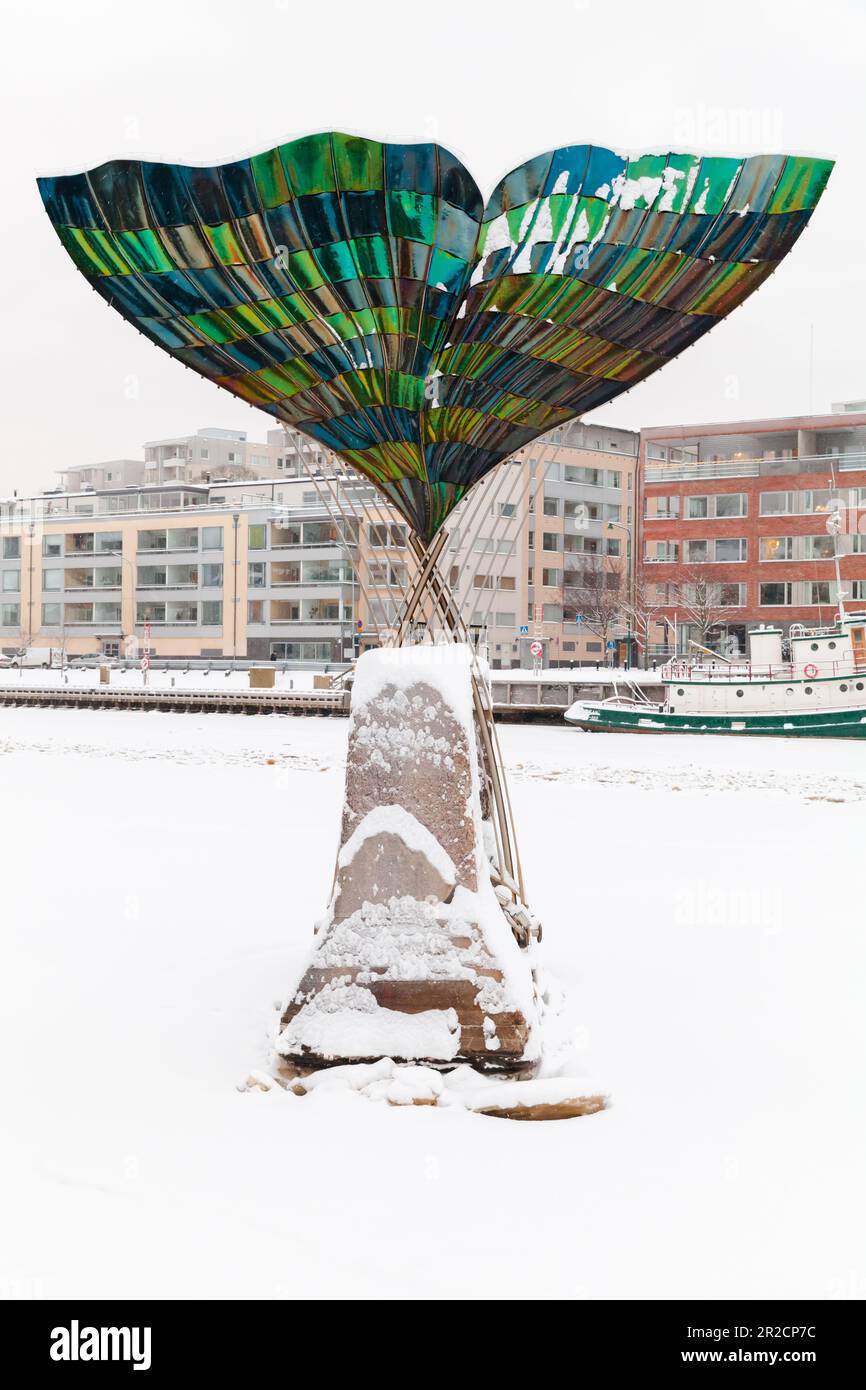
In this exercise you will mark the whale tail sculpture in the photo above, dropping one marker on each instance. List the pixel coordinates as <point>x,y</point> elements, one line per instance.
<point>365,294</point>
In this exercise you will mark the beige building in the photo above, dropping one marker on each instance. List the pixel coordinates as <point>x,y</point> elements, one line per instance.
<point>270,568</point>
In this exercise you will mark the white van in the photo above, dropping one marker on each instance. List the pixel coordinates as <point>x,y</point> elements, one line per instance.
<point>34,657</point>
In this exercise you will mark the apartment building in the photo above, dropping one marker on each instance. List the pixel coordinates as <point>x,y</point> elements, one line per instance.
<point>530,542</point>
<point>208,455</point>
<point>194,570</point>
<point>734,525</point>
<point>266,568</point>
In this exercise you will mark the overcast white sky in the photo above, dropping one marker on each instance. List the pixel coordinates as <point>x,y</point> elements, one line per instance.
<point>202,81</point>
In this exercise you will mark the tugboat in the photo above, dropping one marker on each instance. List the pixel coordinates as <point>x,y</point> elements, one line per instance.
<point>820,692</point>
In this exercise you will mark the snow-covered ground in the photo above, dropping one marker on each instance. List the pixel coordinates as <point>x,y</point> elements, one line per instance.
<point>87,678</point>
<point>703,903</point>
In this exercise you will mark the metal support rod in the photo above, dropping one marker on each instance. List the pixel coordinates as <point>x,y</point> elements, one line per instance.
<point>503,821</point>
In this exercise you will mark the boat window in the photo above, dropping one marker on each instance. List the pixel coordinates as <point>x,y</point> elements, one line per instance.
<point>790,690</point>
<point>681,692</point>
<point>832,646</point>
<point>808,690</point>
<point>859,685</point>
<point>814,646</point>
<point>843,688</point>
<point>740,693</point>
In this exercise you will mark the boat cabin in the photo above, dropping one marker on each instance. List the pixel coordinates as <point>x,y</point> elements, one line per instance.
<point>826,669</point>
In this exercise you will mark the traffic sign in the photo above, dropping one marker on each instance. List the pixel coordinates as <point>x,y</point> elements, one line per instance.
<point>524,629</point>
<point>536,648</point>
<point>610,646</point>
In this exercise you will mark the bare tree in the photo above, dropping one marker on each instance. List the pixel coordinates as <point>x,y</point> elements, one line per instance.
<point>644,608</point>
<point>594,590</point>
<point>699,598</point>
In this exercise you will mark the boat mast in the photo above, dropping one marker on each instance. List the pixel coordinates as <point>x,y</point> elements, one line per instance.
<point>834,527</point>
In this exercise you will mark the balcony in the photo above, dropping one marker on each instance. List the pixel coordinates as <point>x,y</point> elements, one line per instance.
<point>698,471</point>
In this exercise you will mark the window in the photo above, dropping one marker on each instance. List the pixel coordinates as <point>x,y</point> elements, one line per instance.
<point>107,542</point>
<point>505,620</point>
<point>507,581</point>
<point>383,535</point>
<point>732,595</point>
<point>152,540</point>
<point>288,534</point>
<point>150,613</point>
<point>662,552</point>
<point>550,540</point>
<point>52,546</point>
<point>79,613</point>
<point>551,578</point>
<point>551,506</point>
<point>507,509</point>
<point>697,552</point>
<point>820,592</point>
<point>212,576</point>
<point>106,612</point>
<point>108,577</point>
<point>257,538</point>
<point>731,504</point>
<point>211,538</point>
<point>11,581</point>
<point>551,613</point>
<point>775,595</point>
<point>285,572</point>
<point>323,533</point>
<point>51,615</point>
<point>79,543</point>
<point>181,612</point>
<point>613,547</point>
<point>151,577</point>
<point>257,574</point>
<point>697,508</point>
<point>211,611</point>
<point>284,612</point>
<point>323,611</point>
<point>255,610</point>
<point>9,614</point>
<point>777,503</point>
<point>729,549</point>
<point>660,508</point>
<point>820,547</point>
<point>52,580</point>
<point>11,547</point>
<point>776,548</point>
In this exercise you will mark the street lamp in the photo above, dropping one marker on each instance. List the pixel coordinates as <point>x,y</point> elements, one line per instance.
<point>630,558</point>
<point>124,560</point>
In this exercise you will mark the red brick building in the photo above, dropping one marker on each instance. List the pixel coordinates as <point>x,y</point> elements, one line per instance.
<point>733,526</point>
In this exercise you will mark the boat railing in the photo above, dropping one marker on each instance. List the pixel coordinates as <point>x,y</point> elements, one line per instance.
<point>730,673</point>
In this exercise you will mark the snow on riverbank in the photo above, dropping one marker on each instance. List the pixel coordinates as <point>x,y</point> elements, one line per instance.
<point>702,904</point>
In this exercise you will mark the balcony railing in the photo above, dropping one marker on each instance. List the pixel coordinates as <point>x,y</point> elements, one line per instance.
<point>700,469</point>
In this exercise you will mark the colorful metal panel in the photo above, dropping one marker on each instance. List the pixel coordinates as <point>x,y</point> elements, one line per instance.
<point>364,294</point>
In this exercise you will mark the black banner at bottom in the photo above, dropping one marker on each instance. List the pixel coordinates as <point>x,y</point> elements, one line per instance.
<point>158,1339</point>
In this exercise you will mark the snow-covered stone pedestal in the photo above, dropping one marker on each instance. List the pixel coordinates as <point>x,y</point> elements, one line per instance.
<point>416,960</point>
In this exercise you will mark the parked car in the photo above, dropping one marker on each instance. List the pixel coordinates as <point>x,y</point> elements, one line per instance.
<point>91,660</point>
<point>32,657</point>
